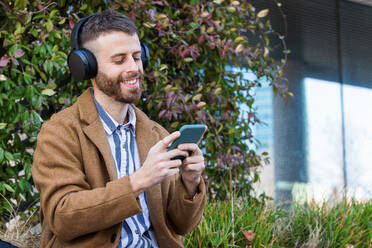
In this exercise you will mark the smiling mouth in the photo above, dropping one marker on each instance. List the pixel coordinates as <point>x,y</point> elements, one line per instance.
<point>133,83</point>
<point>130,82</point>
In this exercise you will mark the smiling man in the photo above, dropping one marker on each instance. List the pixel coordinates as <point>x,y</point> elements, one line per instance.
<point>105,175</point>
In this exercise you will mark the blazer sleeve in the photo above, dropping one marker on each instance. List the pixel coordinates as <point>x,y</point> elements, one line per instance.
<point>183,213</point>
<point>70,207</point>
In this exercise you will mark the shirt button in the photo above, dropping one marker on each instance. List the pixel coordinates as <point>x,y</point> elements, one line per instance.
<point>136,231</point>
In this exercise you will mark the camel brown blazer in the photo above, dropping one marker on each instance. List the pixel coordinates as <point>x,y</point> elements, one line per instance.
<point>82,203</point>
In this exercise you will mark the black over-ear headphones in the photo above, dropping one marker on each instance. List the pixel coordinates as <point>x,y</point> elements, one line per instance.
<point>82,62</point>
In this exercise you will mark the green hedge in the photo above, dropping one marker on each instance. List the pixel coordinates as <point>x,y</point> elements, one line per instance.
<point>190,42</point>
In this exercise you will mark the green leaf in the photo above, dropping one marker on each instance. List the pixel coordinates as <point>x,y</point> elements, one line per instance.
<point>48,92</point>
<point>9,156</point>
<point>20,4</point>
<point>18,29</point>
<point>43,76</point>
<point>61,3</point>
<point>263,13</point>
<point>21,184</point>
<point>49,25</point>
<point>29,93</point>
<point>58,35</point>
<point>61,100</point>
<point>28,77</point>
<point>174,124</point>
<point>51,86</point>
<point>1,155</point>
<point>84,6</point>
<point>193,25</point>
<point>2,125</point>
<point>53,12</point>
<point>8,187</point>
<point>62,21</point>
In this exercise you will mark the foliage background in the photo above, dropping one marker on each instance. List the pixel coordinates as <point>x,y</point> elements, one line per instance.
<point>191,45</point>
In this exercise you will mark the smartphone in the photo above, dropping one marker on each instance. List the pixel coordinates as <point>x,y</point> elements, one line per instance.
<point>189,134</point>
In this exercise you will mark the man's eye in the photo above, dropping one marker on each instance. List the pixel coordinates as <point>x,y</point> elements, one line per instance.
<point>137,58</point>
<point>118,62</point>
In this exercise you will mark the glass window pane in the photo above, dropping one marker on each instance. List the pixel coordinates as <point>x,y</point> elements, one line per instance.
<point>358,140</point>
<point>324,137</point>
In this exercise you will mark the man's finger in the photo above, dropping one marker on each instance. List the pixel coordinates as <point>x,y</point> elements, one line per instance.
<point>170,138</point>
<point>194,148</point>
<point>174,153</point>
<point>172,164</point>
<point>194,167</point>
<point>194,160</point>
<point>166,141</point>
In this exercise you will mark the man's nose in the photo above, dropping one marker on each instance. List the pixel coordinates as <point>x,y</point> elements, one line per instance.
<point>131,65</point>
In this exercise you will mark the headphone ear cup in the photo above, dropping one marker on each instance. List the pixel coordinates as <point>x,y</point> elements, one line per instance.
<point>145,55</point>
<point>82,64</point>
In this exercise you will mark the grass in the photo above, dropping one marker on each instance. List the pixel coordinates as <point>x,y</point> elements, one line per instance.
<point>346,224</point>
<point>20,229</point>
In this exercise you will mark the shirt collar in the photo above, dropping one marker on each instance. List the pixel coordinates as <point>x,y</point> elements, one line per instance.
<point>110,124</point>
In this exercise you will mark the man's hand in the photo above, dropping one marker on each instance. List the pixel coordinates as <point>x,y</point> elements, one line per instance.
<point>158,165</point>
<point>192,168</point>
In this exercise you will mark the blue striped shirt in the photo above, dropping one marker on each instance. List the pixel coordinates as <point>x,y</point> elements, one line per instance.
<point>122,139</point>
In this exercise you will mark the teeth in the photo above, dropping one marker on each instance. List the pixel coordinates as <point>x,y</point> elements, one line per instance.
<point>130,81</point>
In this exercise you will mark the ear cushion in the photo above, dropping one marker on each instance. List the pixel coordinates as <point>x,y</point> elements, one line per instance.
<point>82,64</point>
<point>144,55</point>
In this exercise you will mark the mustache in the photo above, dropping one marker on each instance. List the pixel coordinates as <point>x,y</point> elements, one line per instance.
<point>131,76</point>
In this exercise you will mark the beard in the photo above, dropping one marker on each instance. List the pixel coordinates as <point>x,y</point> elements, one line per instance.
<point>112,87</point>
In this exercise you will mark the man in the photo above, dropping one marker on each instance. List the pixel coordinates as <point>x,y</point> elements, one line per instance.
<point>102,167</point>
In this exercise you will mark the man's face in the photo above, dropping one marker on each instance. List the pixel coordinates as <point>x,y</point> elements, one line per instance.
<point>120,71</point>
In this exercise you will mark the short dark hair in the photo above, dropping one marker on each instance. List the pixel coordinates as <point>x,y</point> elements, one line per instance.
<point>105,22</point>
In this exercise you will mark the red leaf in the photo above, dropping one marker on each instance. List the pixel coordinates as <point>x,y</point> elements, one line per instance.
<point>71,22</point>
<point>158,3</point>
<point>222,53</point>
<point>226,115</point>
<point>161,113</point>
<point>249,235</point>
<point>132,15</point>
<point>4,61</point>
<point>201,39</point>
<point>18,53</point>
<point>184,52</point>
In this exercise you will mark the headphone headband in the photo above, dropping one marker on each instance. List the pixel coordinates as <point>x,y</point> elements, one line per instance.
<point>74,41</point>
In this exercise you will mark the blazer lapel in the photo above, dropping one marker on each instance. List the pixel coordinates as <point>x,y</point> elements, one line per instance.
<point>97,135</point>
<point>92,127</point>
